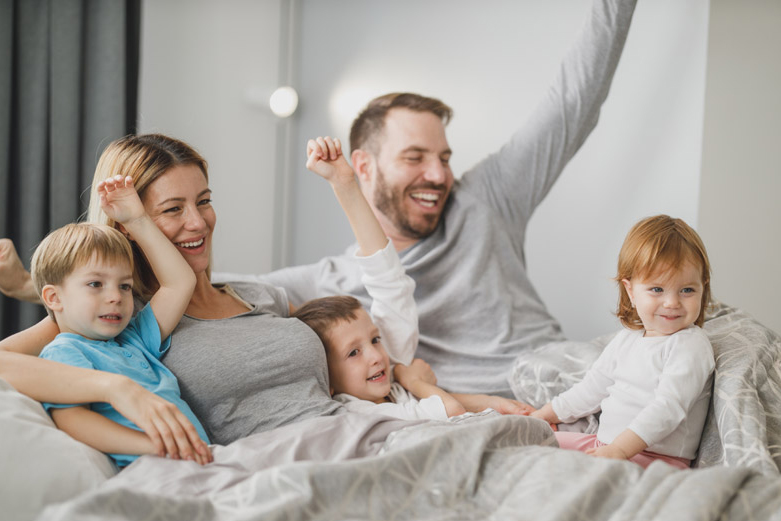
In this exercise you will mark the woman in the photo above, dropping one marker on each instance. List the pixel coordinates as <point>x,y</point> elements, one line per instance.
<point>242,364</point>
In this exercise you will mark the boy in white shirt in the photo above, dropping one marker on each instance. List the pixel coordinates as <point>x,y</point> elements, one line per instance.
<point>358,364</point>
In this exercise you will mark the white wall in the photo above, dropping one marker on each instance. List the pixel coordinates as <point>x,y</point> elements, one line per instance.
<point>491,61</point>
<point>198,59</point>
<point>740,213</point>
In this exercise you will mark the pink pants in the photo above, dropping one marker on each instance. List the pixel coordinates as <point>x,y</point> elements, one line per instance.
<point>581,442</point>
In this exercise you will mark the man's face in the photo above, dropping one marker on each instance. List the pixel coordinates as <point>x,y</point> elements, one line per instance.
<point>411,178</point>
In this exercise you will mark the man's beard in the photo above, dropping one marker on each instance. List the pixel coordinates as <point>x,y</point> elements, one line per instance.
<point>391,203</point>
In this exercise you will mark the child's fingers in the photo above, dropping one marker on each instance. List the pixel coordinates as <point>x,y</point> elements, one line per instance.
<point>324,152</point>
<point>171,449</point>
<point>311,147</point>
<point>332,153</point>
<point>338,146</point>
<point>188,435</point>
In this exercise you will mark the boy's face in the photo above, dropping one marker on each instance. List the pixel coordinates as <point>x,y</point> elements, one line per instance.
<point>358,364</point>
<point>94,301</point>
<point>667,301</point>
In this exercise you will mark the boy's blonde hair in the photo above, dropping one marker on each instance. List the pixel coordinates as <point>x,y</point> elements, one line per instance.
<point>654,244</point>
<point>72,246</point>
<point>145,158</point>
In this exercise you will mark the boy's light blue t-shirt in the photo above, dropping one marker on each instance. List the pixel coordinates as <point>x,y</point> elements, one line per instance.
<point>135,353</point>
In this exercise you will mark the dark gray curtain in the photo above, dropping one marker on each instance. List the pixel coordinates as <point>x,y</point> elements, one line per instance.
<point>68,86</point>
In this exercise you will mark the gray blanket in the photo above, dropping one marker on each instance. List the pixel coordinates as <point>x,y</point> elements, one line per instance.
<point>483,466</point>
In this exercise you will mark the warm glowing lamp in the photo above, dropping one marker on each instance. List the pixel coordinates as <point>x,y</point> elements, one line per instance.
<point>283,102</point>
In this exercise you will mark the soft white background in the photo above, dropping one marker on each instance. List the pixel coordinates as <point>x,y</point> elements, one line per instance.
<point>683,131</point>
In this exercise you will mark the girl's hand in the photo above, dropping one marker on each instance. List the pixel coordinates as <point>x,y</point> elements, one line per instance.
<point>119,199</point>
<point>325,158</point>
<point>547,414</point>
<point>169,430</point>
<point>607,451</point>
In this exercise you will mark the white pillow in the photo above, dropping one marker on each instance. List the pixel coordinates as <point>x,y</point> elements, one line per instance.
<point>40,464</point>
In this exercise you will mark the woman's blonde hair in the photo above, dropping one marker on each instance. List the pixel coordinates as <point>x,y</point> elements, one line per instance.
<point>144,158</point>
<point>654,244</point>
<point>72,246</point>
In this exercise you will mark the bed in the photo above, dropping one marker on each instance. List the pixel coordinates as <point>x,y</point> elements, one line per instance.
<point>476,466</point>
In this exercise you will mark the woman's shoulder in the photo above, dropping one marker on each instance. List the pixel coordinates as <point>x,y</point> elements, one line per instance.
<point>261,295</point>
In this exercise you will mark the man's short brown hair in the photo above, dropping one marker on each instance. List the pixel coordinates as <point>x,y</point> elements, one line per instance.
<point>371,121</point>
<point>321,314</point>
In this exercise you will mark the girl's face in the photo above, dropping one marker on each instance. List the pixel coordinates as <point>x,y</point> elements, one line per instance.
<point>669,300</point>
<point>179,202</point>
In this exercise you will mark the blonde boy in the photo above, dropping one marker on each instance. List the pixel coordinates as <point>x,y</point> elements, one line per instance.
<point>84,276</point>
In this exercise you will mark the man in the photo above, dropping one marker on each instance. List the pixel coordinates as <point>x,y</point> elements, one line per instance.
<point>462,241</point>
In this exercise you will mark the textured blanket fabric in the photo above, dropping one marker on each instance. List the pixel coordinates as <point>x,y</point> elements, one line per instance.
<point>743,427</point>
<point>481,467</point>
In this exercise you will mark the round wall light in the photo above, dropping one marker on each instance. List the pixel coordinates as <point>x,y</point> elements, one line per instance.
<point>283,102</point>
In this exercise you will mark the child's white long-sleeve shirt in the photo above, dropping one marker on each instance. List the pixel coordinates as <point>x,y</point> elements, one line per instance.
<point>659,387</point>
<point>393,308</point>
<point>402,405</point>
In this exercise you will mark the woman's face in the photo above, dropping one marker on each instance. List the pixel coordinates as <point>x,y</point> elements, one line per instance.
<point>179,202</point>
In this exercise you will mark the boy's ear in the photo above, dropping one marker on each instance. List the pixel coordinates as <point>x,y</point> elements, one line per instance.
<point>628,286</point>
<point>51,297</point>
<point>363,164</point>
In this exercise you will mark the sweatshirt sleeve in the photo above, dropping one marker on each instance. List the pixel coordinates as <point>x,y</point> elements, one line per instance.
<point>393,306</point>
<point>586,396</point>
<point>515,179</point>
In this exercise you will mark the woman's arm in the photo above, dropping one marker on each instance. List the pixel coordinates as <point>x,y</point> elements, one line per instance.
<point>120,201</point>
<point>47,381</point>
<point>32,340</point>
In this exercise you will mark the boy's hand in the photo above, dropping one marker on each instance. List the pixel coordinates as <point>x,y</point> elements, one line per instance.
<point>417,370</point>
<point>508,406</point>
<point>169,431</point>
<point>119,199</point>
<point>325,158</point>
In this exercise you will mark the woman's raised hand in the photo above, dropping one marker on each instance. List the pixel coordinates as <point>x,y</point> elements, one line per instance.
<point>325,158</point>
<point>119,199</point>
<point>171,432</point>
